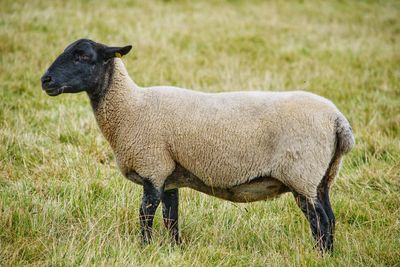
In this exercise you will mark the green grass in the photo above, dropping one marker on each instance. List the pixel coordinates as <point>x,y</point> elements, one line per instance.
<point>64,203</point>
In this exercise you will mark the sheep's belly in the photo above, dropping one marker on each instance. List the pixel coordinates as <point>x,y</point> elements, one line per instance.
<point>257,189</point>
<point>261,188</point>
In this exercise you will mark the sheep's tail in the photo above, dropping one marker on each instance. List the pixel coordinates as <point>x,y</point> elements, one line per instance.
<point>344,135</point>
<point>344,143</point>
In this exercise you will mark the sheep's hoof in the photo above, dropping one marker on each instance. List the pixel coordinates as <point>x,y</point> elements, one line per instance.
<point>324,247</point>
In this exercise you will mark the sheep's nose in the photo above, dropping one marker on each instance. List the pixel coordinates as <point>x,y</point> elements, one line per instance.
<point>46,80</point>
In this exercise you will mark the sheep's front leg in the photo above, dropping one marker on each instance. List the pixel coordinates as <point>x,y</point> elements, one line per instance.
<point>170,200</point>
<point>150,201</point>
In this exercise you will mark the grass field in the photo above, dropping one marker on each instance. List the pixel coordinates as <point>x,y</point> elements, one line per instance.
<point>63,202</point>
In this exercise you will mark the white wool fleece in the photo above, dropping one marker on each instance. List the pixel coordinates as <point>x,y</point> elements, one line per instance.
<point>225,139</point>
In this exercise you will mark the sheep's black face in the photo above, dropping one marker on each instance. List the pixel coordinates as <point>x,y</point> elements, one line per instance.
<point>80,67</point>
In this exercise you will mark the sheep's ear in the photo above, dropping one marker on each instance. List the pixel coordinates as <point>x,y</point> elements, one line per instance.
<point>111,52</point>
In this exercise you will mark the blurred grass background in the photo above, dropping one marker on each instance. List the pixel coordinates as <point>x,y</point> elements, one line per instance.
<point>63,201</point>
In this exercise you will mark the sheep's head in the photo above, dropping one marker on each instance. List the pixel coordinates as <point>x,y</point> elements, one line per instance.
<point>80,67</point>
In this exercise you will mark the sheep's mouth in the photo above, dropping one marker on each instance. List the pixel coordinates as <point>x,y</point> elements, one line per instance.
<point>55,90</point>
<point>52,91</point>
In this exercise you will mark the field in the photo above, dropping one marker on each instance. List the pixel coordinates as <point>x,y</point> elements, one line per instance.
<point>63,201</point>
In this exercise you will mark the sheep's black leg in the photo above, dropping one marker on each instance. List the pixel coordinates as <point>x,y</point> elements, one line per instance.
<point>323,197</point>
<point>170,200</point>
<point>318,219</point>
<point>150,201</point>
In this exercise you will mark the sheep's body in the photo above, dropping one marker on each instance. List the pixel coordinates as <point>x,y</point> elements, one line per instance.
<point>224,140</point>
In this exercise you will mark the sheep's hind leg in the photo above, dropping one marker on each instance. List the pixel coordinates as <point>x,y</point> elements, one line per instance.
<point>318,219</point>
<point>150,201</point>
<point>323,197</point>
<point>170,200</point>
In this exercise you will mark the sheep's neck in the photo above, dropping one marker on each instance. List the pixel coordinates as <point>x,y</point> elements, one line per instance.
<point>113,101</point>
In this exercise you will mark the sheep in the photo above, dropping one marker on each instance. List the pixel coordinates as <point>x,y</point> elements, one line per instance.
<point>237,146</point>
